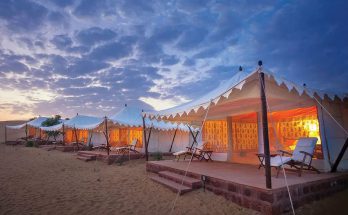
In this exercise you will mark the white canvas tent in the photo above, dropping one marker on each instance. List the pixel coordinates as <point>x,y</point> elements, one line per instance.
<point>162,133</point>
<point>30,128</point>
<point>240,95</point>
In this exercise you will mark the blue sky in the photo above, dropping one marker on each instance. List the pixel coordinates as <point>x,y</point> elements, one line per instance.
<point>91,57</point>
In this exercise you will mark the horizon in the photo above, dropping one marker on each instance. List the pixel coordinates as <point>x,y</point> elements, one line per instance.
<point>74,56</point>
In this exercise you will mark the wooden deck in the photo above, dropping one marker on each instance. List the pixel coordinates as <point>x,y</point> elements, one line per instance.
<point>246,184</point>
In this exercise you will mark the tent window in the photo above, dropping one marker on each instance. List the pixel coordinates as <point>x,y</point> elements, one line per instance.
<point>245,133</point>
<point>215,134</point>
<point>82,136</point>
<point>293,124</point>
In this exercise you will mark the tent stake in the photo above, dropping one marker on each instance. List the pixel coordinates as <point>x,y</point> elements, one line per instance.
<point>340,156</point>
<point>265,129</point>
<point>171,146</point>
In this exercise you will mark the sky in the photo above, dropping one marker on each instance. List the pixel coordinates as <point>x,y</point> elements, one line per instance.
<point>93,56</point>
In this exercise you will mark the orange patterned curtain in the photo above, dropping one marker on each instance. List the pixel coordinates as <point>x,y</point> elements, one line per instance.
<point>115,137</point>
<point>215,134</point>
<point>136,133</point>
<point>31,131</point>
<point>82,136</point>
<point>69,136</point>
<point>244,133</point>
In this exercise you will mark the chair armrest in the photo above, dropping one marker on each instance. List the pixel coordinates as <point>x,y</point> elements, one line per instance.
<point>284,152</point>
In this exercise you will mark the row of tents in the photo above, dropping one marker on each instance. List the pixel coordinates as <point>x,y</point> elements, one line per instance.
<point>118,130</point>
<point>229,119</point>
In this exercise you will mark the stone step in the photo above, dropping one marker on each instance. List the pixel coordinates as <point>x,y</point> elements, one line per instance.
<point>84,158</point>
<point>188,181</point>
<point>173,186</point>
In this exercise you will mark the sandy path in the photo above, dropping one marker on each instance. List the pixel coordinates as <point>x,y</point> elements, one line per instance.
<point>34,181</point>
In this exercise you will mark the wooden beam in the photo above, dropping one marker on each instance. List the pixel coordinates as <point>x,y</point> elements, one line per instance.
<point>266,150</point>
<point>171,145</point>
<point>340,156</point>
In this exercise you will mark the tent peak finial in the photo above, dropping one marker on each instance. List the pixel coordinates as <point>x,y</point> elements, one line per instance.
<point>304,85</point>
<point>125,105</point>
<point>77,114</point>
<point>260,63</point>
<point>240,68</point>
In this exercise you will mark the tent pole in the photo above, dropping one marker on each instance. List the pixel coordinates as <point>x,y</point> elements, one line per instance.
<point>26,132</point>
<point>77,143</point>
<point>5,134</point>
<point>63,133</point>
<point>145,139</point>
<point>148,139</point>
<point>266,150</point>
<point>194,136</point>
<point>107,136</point>
<point>171,146</point>
<point>340,156</point>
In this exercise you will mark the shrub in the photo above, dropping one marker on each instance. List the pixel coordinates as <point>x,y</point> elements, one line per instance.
<point>29,144</point>
<point>157,156</point>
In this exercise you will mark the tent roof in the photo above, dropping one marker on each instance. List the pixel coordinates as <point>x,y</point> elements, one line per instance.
<point>132,117</point>
<point>36,123</point>
<point>84,122</point>
<point>229,90</point>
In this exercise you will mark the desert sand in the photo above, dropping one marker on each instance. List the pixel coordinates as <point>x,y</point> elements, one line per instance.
<point>35,181</point>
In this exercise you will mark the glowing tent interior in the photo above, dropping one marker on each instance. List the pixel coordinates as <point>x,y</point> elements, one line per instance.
<point>232,118</point>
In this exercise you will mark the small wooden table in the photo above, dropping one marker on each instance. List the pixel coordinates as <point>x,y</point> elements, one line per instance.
<point>261,157</point>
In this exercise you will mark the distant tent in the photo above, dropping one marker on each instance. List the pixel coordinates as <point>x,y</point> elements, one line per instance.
<point>32,127</point>
<point>127,124</point>
<point>232,111</point>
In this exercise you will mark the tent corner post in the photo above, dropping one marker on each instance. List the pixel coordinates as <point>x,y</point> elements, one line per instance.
<point>340,156</point>
<point>107,136</point>
<point>171,146</point>
<point>145,139</point>
<point>265,130</point>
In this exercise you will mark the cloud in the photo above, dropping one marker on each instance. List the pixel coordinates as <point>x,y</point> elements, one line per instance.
<point>94,56</point>
<point>21,15</point>
<point>94,35</point>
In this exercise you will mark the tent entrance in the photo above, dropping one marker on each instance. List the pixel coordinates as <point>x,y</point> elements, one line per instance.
<point>124,136</point>
<point>291,125</point>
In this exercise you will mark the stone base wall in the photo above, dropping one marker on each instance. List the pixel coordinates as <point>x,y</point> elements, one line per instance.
<point>266,201</point>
